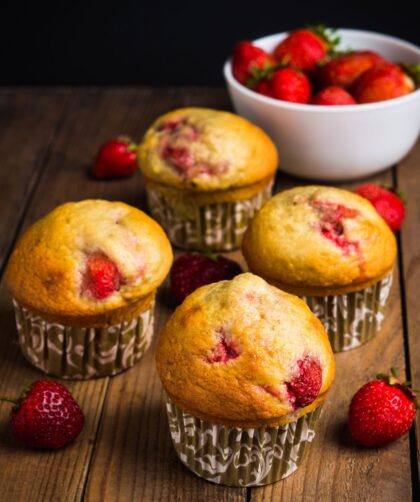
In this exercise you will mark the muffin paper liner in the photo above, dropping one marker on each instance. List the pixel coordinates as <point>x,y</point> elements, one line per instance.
<point>214,227</point>
<point>352,319</point>
<point>240,457</point>
<point>82,353</point>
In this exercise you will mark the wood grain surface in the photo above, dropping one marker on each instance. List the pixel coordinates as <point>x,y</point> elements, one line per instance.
<point>47,141</point>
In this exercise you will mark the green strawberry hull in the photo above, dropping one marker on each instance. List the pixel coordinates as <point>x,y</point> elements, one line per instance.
<point>81,353</point>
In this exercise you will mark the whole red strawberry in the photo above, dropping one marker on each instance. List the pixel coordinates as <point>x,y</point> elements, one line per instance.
<point>382,82</point>
<point>381,411</point>
<point>388,204</point>
<point>191,271</point>
<point>344,70</point>
<point>333,95</point>
<point>305,48</point>
<point>101,277</point>
<point>248,60</point>
<point>116,158</point>
<point>46,416</point>
<point>290,84</point>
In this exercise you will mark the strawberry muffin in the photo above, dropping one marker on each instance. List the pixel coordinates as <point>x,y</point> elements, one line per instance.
<point>245,367</point>
<point>83,281</point>
<point>206,172</point>
<point>332,248</point>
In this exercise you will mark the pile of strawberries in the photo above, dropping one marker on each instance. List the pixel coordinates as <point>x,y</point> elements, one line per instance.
<point>306,68</point>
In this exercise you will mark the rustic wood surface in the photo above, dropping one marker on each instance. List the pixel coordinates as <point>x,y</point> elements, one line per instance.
<point>47,141</point>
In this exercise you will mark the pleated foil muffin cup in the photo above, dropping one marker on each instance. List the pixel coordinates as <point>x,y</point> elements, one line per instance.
<point>212,227</point>
<point>352,319</point>
<point>240,457</point>
<point>82,353</point>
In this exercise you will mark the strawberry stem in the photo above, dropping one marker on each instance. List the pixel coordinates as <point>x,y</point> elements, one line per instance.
<point>392,379</point>
<point>9,399</point>
<point>413,71</point>
<point>132,147</point>
<point>328,35</point>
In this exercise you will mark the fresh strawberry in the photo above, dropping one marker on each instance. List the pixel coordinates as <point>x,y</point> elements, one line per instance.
<point>344,70</point>
<point>101,277</point>
<point>333,95</point>
<point>305,386</point>
<point>263,87</point>
<point>117,158</point>
<point>290,84</point>
<point>381,411</point>
<point>388,204</point>
<point>46,416</point>
<point>191,271</point>
<point>305,48</point>
<point>248,60</point>
<point>383,81</point>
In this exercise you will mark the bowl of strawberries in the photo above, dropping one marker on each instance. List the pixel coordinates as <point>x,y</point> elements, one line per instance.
<point>339,104</point>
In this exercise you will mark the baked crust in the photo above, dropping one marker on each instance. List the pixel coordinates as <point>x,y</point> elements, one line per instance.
<point>270,330</point>
<point>206,150</point>
<point>319,241</point>
<point>45,270</point>
<point>217,196</point>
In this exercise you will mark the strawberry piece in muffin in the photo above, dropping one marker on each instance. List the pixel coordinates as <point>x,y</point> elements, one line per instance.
<point>176,147</point>
<point>226,349</point>
<point>305,386</point>
<point>180,157</point>
<point>101,277</point>
<point>331,223</point>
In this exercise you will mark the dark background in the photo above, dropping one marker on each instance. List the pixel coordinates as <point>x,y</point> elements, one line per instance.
<point>164,43</point>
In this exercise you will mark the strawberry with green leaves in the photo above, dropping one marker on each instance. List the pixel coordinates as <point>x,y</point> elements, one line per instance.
<point>249,61</point>
<point>381,411</point>
<point>344,70</point>
<point>46,416</point>
<point>290,84</point>
<point>306,48</point>
<point>116,158</point>
<point>389,205</point>
<point>382,82</point>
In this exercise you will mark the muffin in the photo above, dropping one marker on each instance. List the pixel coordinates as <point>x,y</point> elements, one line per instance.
<point>83,281</point>
<point>332,248</point>
<point>245,367</point>
<point>206,173</point>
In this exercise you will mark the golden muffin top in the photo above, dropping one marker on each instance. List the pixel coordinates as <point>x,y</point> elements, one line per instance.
<point>86,258</point>
<point>245,354</point>
<point>319,240</point>
<point>204,149</point>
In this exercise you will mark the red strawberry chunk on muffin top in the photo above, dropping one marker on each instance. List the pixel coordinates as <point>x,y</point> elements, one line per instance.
<point>305,386</point>
<point>101,277</point>
<point>176,149</point>
<point>331,216</point>
<point>225,349</point>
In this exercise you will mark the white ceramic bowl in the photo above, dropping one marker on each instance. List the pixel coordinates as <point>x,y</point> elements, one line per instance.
<point>336,142</point>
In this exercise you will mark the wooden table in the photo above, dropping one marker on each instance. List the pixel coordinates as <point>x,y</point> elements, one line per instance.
<point>47,140</point>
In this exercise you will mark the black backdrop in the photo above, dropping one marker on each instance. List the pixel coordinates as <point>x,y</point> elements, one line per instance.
<point>164,43</point>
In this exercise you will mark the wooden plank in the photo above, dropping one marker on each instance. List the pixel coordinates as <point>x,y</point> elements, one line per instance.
<point>408,180</point>
<point>29,121</point>
<point>134,459</point>
<point>335,469</point>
